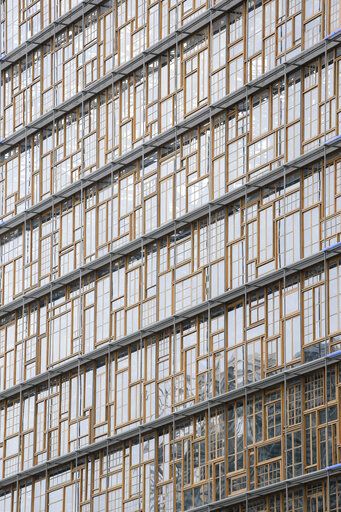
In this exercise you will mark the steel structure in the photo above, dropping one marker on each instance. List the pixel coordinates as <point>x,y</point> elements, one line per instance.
<point>170,256</point>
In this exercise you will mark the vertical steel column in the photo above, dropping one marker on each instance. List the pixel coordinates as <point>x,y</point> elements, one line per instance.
<point>245,377</point>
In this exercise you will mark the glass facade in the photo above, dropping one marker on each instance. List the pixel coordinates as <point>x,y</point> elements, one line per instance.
<point>170,256</point>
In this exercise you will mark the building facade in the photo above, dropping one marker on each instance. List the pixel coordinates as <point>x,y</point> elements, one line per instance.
<point>170,256</point>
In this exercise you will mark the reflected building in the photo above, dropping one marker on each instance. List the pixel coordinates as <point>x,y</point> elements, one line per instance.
<point>170,256</point>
